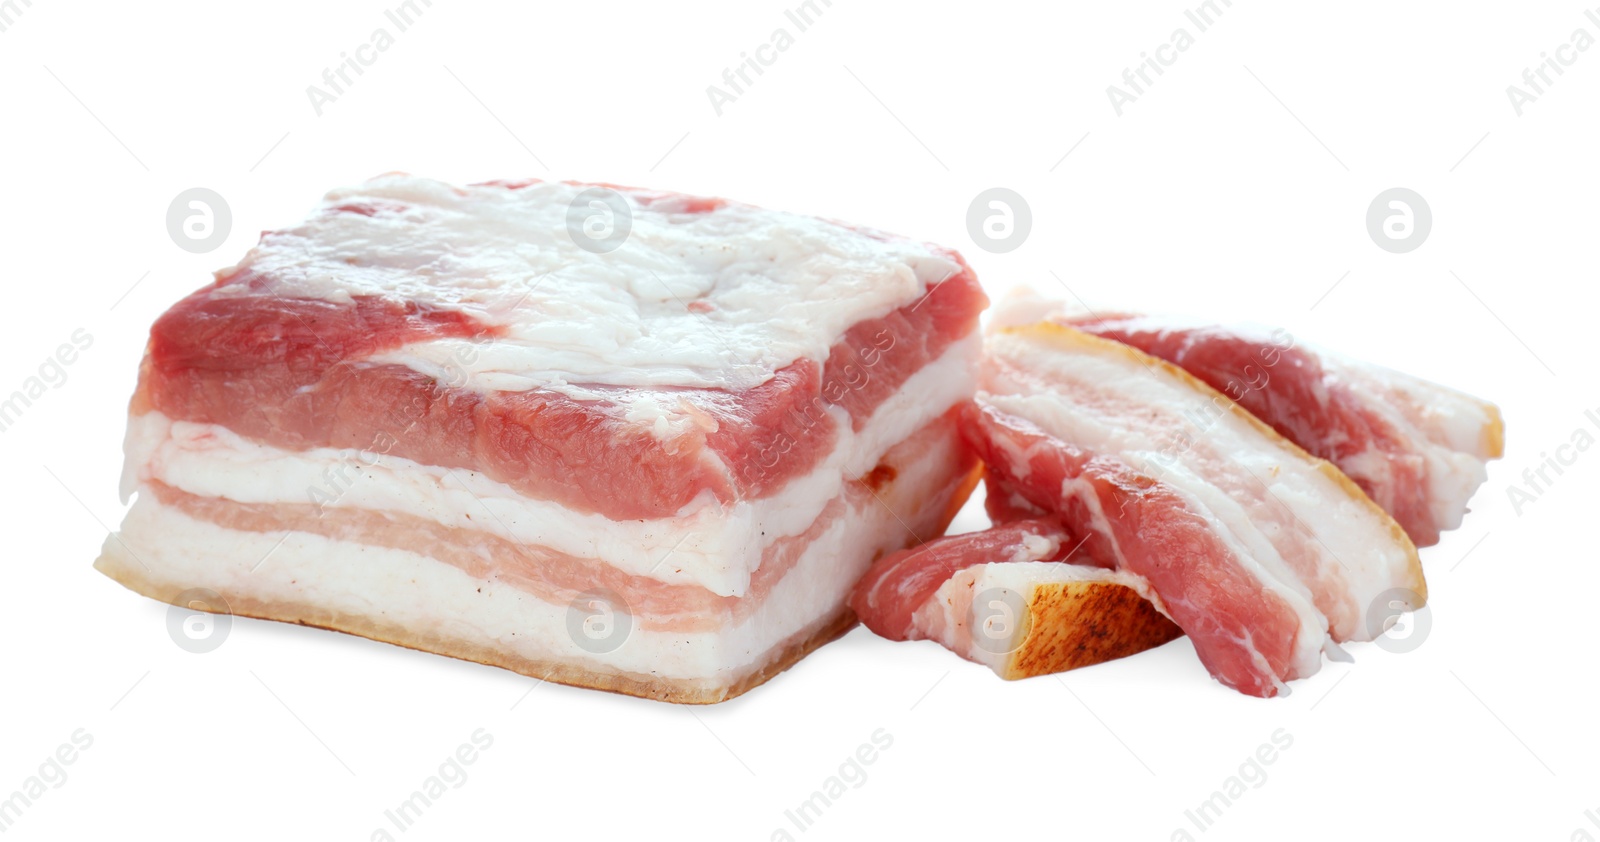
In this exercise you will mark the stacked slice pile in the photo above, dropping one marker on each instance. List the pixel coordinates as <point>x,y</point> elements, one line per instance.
<point>1266,555</point>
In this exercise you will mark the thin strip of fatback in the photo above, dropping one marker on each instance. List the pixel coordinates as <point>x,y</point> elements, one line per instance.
<point>1417,448</point>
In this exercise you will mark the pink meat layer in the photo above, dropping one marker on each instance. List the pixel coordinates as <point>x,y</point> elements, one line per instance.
<point>1243,632</point>
<point>292,373</point>
<point>888,596</point>
<point>1004,504</point>
<point>1292,390</point>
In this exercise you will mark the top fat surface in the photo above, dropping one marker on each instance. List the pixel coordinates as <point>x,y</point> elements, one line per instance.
<point>702,293</point>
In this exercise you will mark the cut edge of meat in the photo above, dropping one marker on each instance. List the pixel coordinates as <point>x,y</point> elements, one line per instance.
<point>1058,333</point>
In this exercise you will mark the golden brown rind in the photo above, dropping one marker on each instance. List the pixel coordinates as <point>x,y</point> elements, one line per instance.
<point>1082,623</point>
<point>1494,433</point>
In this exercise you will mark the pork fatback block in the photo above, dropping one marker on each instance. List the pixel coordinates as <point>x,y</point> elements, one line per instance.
<point>480,421</point>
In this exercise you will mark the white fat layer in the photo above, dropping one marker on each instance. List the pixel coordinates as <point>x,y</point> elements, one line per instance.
<point>1245,479</point>
<point>434,599</point>
<point>947,615</point>
<point>1035,547</point>
<point>1023,305</point>
<point>720,299</point>
<point>710,544</point>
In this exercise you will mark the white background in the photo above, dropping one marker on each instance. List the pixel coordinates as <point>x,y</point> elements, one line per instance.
<point>1236,187</point>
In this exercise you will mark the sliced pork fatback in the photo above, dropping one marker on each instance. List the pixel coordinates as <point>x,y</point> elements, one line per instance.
<point>1004,597</point>
<point>1417,448</point>
<point>887,598</point>
<point>1260,552</point>
<point>489,421</point>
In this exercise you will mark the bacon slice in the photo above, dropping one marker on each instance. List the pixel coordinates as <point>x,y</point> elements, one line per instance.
<point>888,597</point>
<point>1260,552</point>
<point>452,418</point>
<point>1003,598</point>
<point>1416,448</point>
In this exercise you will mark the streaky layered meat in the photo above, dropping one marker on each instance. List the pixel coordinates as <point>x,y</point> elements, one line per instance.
<point>1004,597</point>
<point>1416,448</point>
<point>457,415</point>
<point>458,592</point>
<point>303,373</point>
<point>1259,551</point>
